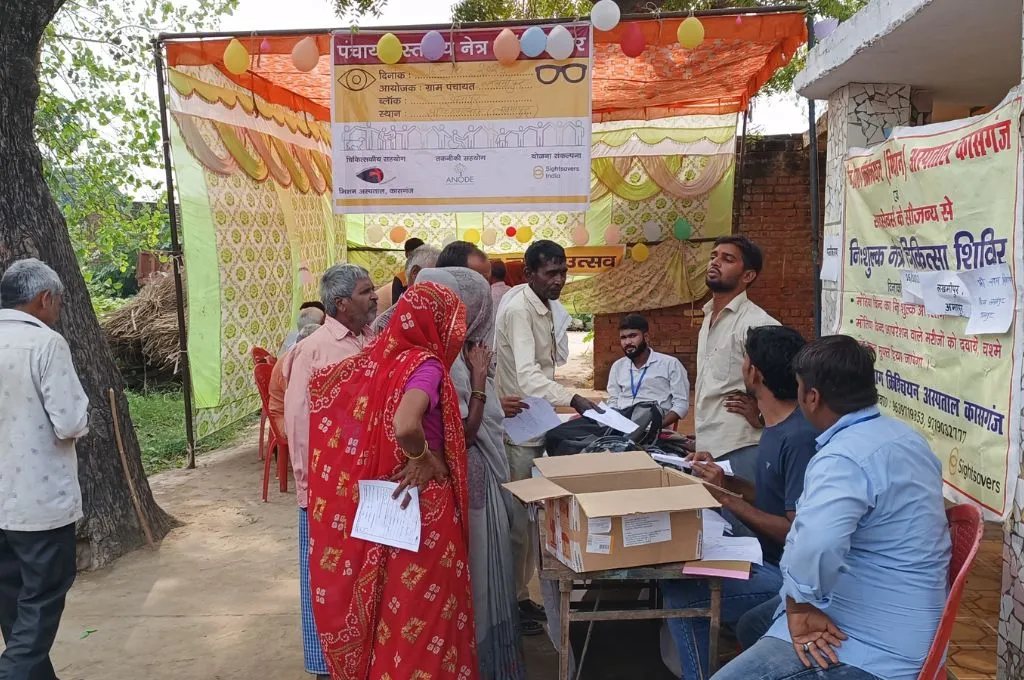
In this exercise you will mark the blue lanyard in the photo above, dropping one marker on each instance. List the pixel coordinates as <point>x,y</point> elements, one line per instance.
<point>635,388</point>
<point>856,422</point>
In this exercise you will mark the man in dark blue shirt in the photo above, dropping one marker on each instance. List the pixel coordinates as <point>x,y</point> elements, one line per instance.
<point>766,507</point>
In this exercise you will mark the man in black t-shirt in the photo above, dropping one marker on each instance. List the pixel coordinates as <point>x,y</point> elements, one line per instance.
<point>767,507</point>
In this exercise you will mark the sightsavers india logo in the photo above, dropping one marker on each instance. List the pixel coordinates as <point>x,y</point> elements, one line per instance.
<point>964,470</point>
<point>460,176</point>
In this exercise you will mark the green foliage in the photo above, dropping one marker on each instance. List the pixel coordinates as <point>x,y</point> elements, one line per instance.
<point>159,417</point>
<point>98,127</point>
<point>466,11</point>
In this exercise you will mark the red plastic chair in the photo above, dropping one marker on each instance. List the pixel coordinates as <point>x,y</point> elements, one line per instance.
<point>965,529</point>
<point>262,356</point>
<point>261,374</point>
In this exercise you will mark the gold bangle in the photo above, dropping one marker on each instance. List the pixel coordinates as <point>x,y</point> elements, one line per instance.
<point>426,447</point>
<point>477,394</point>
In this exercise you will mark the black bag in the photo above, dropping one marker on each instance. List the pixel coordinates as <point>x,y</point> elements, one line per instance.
<point>584,435</point>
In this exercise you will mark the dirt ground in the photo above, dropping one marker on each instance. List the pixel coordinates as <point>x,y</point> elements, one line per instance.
<point>218,599</point>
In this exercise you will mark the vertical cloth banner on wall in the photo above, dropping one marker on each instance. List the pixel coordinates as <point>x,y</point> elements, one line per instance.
<point>463,133</point>
<point>930,279</point>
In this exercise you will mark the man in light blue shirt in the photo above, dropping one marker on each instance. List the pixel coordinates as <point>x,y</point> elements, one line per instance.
<point>866,561</point>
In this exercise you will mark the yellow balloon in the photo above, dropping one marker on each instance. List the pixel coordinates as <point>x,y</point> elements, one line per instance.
<point>690,32</point>
<point>236,57</point>
<point>640,252</point>
<point>524,234</point>
<point>471,235</point>
<point>389,48</point>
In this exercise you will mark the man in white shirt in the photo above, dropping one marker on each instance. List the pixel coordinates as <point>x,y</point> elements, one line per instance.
<point>726,418</point>
<point>43,410</point>
<point>644,375</point>
<point>526,351</point>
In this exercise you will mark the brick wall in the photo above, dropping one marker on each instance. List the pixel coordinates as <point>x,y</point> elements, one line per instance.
<point>775,210</point>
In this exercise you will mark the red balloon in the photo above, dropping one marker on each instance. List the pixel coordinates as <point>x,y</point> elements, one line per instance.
<point>510,232</point>
<point>633,42</point>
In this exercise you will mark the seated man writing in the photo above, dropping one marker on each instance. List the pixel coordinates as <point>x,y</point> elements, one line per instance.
<point>766,507</point>
<point>644,375</point>
<point>864,573</point>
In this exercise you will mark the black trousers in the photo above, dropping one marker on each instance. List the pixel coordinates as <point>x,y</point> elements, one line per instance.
<point>37,569</point>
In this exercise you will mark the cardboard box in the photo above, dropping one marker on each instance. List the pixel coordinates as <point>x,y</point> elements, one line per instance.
<point>614,510</point>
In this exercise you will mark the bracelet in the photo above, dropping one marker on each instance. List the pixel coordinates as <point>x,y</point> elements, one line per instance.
<point>477,394</point>
<point>426,447</point>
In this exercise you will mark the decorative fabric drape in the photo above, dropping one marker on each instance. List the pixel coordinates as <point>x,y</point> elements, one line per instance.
<point>673,274</point>
<point>610,174</point>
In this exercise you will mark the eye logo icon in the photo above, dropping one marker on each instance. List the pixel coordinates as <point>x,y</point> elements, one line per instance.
<point>954,461</point>
<point>356,79</point>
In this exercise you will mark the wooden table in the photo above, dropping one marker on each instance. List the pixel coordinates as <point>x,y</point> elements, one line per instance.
<point>553,570</point>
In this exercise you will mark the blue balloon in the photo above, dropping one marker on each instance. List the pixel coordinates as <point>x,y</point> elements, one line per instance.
<point>533,41</point>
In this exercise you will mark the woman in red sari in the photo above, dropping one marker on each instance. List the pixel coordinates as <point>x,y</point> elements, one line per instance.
<point>392,412</point>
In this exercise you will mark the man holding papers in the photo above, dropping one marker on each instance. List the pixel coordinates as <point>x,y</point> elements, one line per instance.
<point>525,348</point>
<point>767,508</point>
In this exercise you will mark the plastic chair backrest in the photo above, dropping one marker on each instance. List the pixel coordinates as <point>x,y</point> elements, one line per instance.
<point>261,356</point>
<point>965,531</point>
<point>262,374</point>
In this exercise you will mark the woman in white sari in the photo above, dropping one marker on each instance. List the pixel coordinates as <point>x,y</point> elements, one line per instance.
<point>490,548</point>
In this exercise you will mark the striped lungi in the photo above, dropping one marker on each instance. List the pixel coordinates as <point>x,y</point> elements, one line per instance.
<point>311,652</point>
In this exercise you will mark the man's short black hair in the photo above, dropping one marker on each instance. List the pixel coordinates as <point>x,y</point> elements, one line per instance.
<point>498,270</point>
<point>753,256</point>
<point>313,304</point>
<point>543,252</point>
<point>412,244</point>
<point>842,370</point>
<point>456,254</point>
<point>634,322</point>
<point>771,350</point>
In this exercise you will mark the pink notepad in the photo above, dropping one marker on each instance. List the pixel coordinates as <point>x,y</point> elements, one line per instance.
<point>718,569</point>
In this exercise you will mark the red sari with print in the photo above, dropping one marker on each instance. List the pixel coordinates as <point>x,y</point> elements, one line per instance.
<point>384,613</point>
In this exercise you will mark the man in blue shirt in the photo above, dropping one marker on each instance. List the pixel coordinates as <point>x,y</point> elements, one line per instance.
<point>767,507</point>
<point>864,572</point>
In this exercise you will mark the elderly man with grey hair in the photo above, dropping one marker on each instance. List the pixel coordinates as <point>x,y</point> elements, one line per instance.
<point>424,257</point>
<point>43,410</point>
<point>351,304</point>
<point>310,313</point>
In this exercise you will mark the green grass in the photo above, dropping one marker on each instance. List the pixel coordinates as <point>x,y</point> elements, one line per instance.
<point>159,417</point>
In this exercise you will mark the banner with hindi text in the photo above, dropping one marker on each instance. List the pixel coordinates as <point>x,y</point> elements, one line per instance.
<point>464,132</point>
<point>931,268</point>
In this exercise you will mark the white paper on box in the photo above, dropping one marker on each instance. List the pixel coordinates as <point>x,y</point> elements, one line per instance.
<point>599,525</point>
<point>646,528</point>
<point>575,556</point>
<point>599,543</point>
<point>731,549</point>
<point>381,519</point>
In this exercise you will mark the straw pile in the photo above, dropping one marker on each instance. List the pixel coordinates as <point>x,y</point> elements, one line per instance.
<point>144,333</point>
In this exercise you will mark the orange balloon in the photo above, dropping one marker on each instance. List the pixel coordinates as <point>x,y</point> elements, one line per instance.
<point>506,47</point>
<point>398,234</point>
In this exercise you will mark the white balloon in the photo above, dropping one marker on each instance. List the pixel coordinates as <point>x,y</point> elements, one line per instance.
<point>652,231</point>
<point>561,44</point>
<point>605,15</point>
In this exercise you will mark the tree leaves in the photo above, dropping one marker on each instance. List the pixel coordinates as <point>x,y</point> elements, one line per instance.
<point>98,126</point>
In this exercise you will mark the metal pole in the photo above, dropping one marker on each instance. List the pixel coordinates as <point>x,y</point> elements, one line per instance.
<point>737,213</point>
<point>777,9</point>
<point>176,256</point>
<point>815,197</point>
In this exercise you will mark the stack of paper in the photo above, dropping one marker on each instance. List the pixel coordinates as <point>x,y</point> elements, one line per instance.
<point>668,459</point>
<point>724,556</point>
<point>612,419</point>
<point>715,525</point>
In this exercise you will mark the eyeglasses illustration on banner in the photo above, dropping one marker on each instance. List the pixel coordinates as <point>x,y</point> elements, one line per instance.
<point>547,74</point>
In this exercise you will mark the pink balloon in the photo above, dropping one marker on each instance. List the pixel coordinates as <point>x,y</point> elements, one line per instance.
<point>580,236</point>
<point>612,235</point>
<point>506,47</point>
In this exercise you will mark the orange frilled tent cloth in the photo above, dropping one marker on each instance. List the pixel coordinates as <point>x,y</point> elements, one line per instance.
<point>737,57</point>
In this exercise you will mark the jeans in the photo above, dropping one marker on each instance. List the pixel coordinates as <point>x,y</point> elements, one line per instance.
<point>754,624</point>
<point>37,569</point>
<point>692,635</point>
<point>774,659</point>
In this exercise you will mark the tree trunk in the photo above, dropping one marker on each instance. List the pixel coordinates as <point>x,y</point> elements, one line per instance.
<point>31,225</point>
